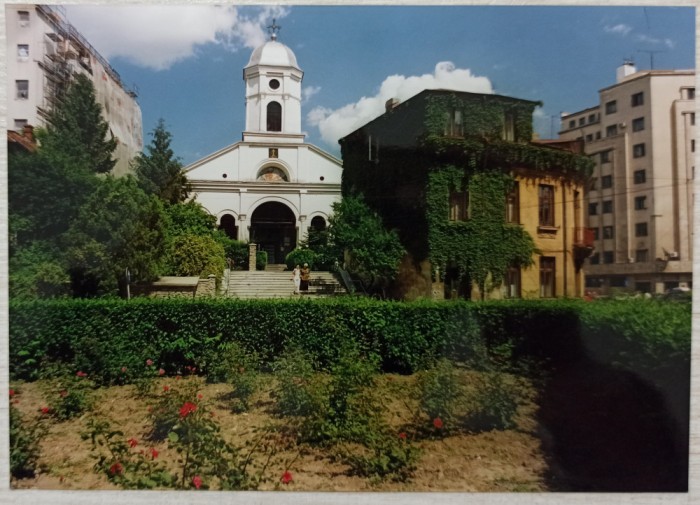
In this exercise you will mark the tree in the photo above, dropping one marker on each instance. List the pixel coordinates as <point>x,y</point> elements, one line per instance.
<point>357,235</point>
<point>76,131</point>
<point>119,227</point>
<point>159,172</point>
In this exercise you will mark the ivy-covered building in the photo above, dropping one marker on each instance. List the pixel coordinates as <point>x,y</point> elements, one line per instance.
<point>481,208</point>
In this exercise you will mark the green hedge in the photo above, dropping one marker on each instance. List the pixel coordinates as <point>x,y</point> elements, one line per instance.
<point>100,337</point>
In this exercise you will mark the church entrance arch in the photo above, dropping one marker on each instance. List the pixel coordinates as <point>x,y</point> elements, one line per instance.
<point>273,228</point>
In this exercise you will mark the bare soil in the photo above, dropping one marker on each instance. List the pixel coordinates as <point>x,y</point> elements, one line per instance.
<point>500,461</point>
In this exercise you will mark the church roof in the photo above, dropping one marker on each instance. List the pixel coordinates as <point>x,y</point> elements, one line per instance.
<point>273,53</point>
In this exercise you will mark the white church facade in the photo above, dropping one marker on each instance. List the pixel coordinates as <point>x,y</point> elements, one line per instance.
<point>271,187</point>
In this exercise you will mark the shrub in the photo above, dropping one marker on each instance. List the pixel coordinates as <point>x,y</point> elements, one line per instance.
<point>439,396</point>
<point>300,256</point>
<point>296,392</point>
<point>69,397</point>
<point>260,260</point>
<point>390,456</point>
<point>194,255</point>
<point>492,405</point>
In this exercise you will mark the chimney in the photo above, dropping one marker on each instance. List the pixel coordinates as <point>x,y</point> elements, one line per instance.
<point>391,103</point>
<point>28,133</point>
<point>625,70</point>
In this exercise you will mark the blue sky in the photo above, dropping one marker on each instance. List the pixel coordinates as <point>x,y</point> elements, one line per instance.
<point>187,61</point>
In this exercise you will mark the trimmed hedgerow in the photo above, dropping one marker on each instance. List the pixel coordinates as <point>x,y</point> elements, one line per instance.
<point>100,337</point>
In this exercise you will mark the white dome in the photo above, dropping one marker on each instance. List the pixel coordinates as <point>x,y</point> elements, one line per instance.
<point>273,53</point>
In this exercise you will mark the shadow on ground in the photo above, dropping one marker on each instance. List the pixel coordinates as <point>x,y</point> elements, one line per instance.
<point>607,430</point>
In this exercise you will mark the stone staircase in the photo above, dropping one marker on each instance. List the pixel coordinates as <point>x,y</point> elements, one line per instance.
<point>277,283</point>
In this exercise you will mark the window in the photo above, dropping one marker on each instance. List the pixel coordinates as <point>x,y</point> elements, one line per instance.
<point>692,145</point>
<point>639,150</point>
<point>22,89</point>
<point>608,257</point>
<point>509,127</point>
<point>459,205</point>
<point>272,152</point>
<point>453,124</point>
<point>512,283</point>
<point>23,52</point>
<point>688,93</point>
<point>582,121</point>
<point>640,230</point>
<point>611,107</point>
<point>638,99</point>
<point>608,232</point>
<point>23,17</point>
<point>593,184</point>
<point>643,286</point>
<point>594,260</point>
<point>589,137</point>
<point>607,207</point>
<point>546,205</point>
<point>640,176</point>
<point>513,204</point>
<point>591,118</point>
<point>692,119</point>
<point>274,84</point>
<point>20,124</point>
<point>611,131</point>
<point>638,124</point>
<point>640,202</point>
<point>547,277</point>
<point>597,135</point>
<point>593,209</point>
<point>274,117</point>
<point>605,157</point>
<point>641,255</point>
<point>596,233</point>
<point>572,124</point>
<point>606,181</point>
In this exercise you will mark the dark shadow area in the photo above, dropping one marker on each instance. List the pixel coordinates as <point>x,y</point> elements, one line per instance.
<point>607,430</point>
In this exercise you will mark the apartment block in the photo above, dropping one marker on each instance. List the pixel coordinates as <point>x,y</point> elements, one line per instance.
<point>639,202</point>
<point>43,52</point>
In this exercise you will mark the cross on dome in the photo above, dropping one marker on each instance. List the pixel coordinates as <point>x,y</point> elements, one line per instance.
<point>273,29</point>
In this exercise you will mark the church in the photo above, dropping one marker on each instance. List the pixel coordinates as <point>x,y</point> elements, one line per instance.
<point>271,187</point>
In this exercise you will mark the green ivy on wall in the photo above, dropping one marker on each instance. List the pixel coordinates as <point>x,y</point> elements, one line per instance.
<point>483,247</point>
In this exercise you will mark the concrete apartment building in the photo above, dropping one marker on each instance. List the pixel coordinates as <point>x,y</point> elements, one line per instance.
<point>43,52</point>
<point>639,202</point>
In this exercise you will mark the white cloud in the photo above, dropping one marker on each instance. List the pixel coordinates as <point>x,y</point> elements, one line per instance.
<point>335,124</point>
<point>620,29</point>
<point>157,36</point>
<point>654,41</point>
<point>309,91</point>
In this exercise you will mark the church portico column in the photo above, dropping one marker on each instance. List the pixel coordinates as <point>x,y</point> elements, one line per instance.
<point>301,229</point>
<point>243,228</point>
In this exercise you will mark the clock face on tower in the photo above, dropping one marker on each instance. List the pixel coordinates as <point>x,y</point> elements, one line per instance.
<point>274,84</point>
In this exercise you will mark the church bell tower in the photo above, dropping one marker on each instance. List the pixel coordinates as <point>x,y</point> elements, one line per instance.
<point>273,93</point>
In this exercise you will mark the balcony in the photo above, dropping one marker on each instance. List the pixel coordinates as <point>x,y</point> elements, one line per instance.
<point>583,245</point>
<point>583,238</point>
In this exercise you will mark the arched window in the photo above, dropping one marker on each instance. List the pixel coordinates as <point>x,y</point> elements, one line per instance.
<point>274,117</point>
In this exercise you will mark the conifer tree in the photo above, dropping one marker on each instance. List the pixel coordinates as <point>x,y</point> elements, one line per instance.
<point>77,132</point>
<point>159,171</point>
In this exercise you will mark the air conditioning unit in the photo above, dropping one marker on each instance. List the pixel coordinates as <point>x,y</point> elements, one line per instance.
<point>622,125</point>
<point>630,260</point>
<point>673,255</point>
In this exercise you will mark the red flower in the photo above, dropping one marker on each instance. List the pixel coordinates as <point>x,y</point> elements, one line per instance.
<point>437,422</point>
<point>178,377</point>
<point>63,393</point>
<point>286,477</point>
<point>123,369</point>
<point>149,362</point>
<point>45,410</point>
<point>161,372</point>
<point>12,393</point>
<point>199,396</point>
<point>81,374</point>
<point>402,436</point>
<point>132,442</point>
<point>197,481</point>
<point>187,408</point>
<point>166,388</point>
<point>116,469</point>
<point>154,453</point>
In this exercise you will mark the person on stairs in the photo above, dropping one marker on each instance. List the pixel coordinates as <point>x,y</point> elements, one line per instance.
<point>305,277</point>
<point>296,277</point>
